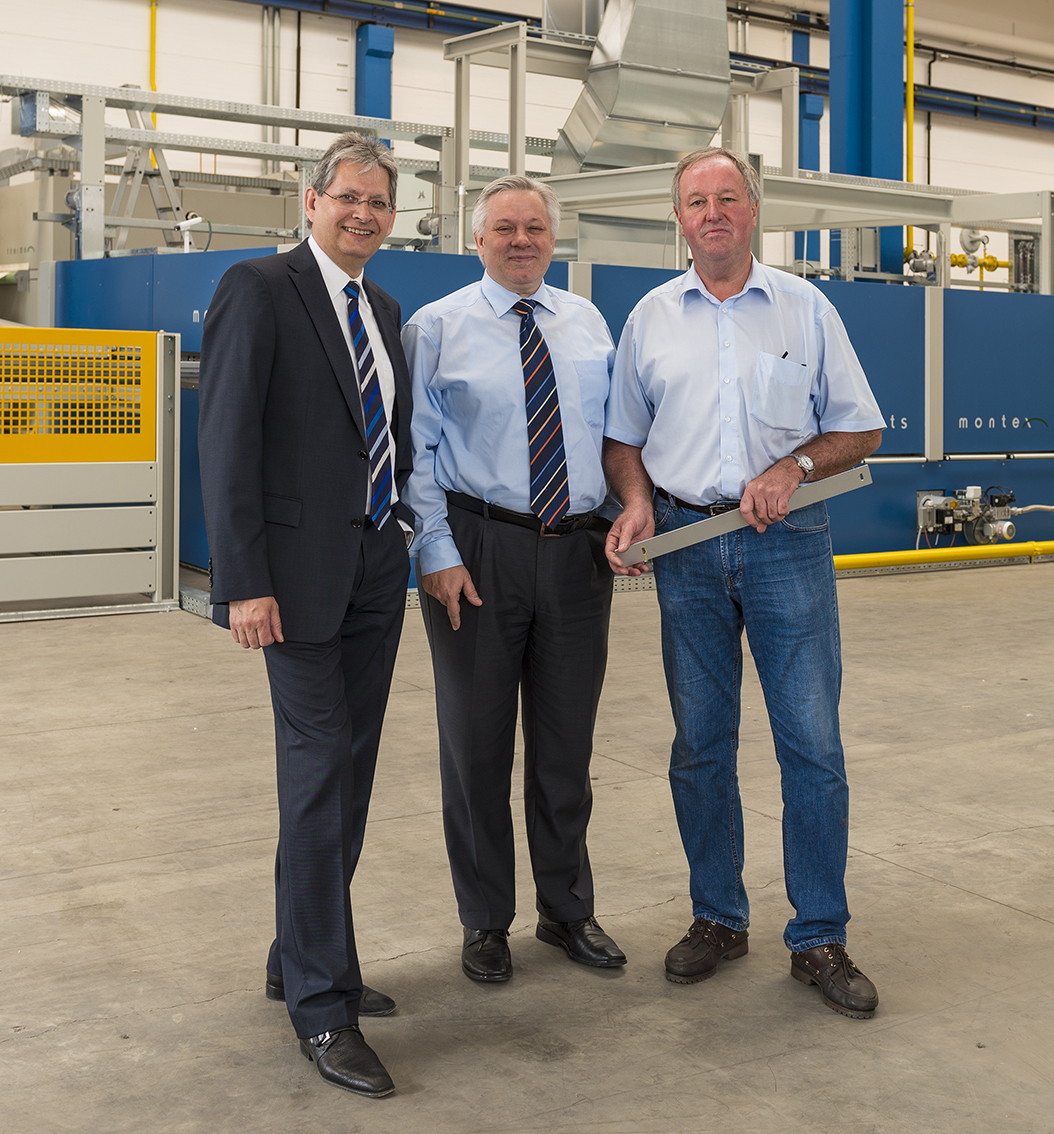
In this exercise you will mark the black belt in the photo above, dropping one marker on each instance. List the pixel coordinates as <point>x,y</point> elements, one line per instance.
<point>717,509</point>
<point>567,525</point>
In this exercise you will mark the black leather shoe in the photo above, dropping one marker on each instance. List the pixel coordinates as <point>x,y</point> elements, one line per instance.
<point>584,941</point>
<point>696,956</point>
<point>843,986</point>
<point>346,1060</point>
<point>373,1003</point>
<point>485,955</point>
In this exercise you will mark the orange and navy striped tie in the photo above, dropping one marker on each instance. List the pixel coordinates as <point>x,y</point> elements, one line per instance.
<point>550,497</point>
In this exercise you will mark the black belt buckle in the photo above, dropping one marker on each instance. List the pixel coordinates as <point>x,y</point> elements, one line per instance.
<point>565,526</point>
<point>721,509</point>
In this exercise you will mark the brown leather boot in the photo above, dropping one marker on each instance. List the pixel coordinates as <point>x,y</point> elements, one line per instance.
<point>843,986</point>
<point>696,955</point>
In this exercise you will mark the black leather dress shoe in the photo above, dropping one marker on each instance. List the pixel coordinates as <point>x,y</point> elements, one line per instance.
<point>485,955</point>
<point>843,986</point>
<point>346,1060</point>
<point>373,1003</point>
<point>696,956</point>
<point>584,941</point>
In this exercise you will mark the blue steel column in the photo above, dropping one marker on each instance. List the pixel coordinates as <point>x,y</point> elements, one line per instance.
<point>374,48</point>
<point>810,111</point>
<point>867,102</point>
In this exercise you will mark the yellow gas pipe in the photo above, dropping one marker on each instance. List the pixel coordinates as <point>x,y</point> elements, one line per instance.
<point>944,555</point>
<point>988,263</point>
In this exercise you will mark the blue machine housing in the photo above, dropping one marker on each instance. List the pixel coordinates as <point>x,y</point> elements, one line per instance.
<point>999,396</point>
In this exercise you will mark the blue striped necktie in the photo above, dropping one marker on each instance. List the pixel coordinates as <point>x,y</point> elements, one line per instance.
<point>550,496</point>
<point>377,437</point>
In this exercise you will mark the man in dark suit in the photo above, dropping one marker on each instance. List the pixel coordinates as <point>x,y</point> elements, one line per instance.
<point>304,438</point>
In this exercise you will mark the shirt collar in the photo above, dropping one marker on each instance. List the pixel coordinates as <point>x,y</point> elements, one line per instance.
<point>756,280</point>
<point>502,300</point>
<point>333,276</point>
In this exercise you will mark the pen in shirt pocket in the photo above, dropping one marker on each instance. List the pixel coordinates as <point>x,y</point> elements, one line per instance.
<point>784,355</point>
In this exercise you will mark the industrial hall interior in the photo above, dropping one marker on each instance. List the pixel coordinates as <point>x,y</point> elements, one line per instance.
<point>398,732</point>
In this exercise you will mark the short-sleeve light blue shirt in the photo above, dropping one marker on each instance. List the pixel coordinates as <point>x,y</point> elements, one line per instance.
<point>469,423</point>
<point>715,392</point>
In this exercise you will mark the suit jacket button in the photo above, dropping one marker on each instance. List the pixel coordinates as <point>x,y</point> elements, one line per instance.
<point>363,455</point>
<point>356,523</point>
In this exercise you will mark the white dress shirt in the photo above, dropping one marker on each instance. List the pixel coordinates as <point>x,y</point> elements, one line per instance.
<point>336,280</point>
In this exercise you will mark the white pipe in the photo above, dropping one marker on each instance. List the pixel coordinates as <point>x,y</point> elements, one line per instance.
<point>982,40</point>
<point>276,67</point>
<point>955,35</point>
<point>265,75</point>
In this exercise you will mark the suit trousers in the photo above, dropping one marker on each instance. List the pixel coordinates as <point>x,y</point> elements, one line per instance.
<point>329,700</point>
<point>540,635</point>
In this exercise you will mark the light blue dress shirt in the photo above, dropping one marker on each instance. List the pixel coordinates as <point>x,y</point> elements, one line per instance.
<point>469,423</point>
<point>715,392</point>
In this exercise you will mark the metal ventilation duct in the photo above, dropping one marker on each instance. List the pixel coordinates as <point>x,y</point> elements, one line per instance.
<point>657,86</point>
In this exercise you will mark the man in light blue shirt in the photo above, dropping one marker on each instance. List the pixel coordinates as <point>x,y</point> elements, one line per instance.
<point>733,384</point>
<point>510,379</point>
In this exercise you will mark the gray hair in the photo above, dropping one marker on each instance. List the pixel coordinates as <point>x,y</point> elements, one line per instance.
<point>369,153</point>
<point>750,175</point>
<point>514,181</point>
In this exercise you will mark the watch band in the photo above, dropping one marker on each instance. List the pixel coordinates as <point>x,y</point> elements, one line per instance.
<point>805,463</point>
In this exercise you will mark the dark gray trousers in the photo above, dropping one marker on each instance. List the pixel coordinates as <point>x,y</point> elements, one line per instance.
<point>329,700</point>
<point>540,635</point>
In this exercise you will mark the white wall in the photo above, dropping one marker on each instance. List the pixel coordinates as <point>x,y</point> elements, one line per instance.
<point>963,153</point>
<point>212,49</point>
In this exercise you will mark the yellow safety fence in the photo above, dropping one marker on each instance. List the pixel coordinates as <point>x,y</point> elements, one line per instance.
<point>69,396</point>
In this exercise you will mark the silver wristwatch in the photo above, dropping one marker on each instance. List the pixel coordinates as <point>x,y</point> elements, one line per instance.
<point>805,463</point>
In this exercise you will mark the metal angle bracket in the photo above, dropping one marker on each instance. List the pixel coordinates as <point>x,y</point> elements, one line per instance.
<point>811,493</point>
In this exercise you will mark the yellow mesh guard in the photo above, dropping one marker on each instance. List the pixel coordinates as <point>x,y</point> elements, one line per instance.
<point>74,396</point>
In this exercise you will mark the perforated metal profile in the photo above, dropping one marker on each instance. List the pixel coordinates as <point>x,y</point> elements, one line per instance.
<point>68,396</point>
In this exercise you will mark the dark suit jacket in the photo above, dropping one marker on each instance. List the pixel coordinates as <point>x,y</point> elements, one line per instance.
<point>284,468</point>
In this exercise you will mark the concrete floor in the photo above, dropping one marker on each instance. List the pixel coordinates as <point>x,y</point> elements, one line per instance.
<point>137,835</point>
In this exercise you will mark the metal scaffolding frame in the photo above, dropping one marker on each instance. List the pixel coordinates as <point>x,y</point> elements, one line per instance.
<point>812,200</point>
<point>74,113</point>
<point>793,199</point>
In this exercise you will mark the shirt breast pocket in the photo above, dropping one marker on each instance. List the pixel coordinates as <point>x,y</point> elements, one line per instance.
<point>593,380</point>
<point>781,392</point>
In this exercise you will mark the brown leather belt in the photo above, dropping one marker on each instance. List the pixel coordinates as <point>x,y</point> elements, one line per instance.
<point>566,526</point>
<point>717,509</point>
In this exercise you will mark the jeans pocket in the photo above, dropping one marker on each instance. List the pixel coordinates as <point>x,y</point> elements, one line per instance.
<point>663,510</point>
<point>811,518</point>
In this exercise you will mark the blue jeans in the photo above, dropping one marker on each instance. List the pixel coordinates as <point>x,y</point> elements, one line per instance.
<point>780,586</point>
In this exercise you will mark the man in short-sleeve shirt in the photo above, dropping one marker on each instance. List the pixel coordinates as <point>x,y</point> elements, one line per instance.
<point>733,384</point>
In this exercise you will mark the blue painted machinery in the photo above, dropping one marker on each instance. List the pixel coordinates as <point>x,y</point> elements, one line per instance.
<point>998,397</point>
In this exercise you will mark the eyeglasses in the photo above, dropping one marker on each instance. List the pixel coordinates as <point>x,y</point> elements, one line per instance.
<point>352,200</point>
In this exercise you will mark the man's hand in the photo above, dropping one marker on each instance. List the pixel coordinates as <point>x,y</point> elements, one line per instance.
<point>636,523</point>
<point>630,482</point>
<point>448,586</point>
<point>766,499</point>
<point>255,622</point>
